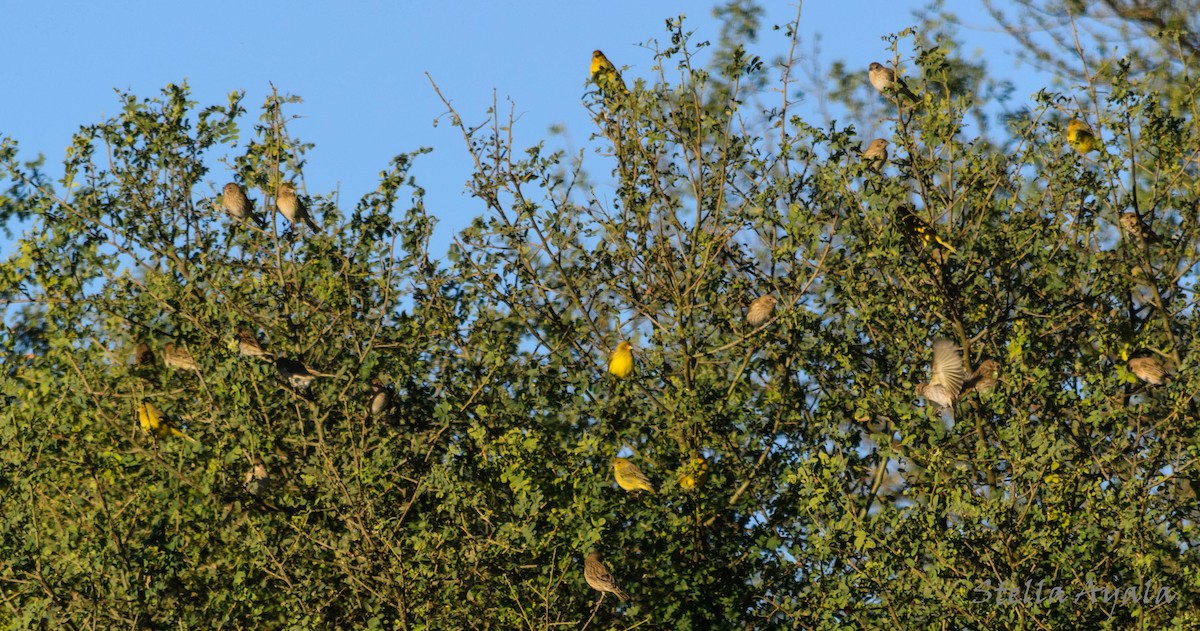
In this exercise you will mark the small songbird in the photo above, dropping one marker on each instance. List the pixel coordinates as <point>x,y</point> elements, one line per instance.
<point>621,362</point>
<point>155,424</point>
<point>178,357</point>
<point>876,154</point>
<point>142,355</point>
<point>292,207</point>
<point>630,477</point>
<point>884,80</point>
<point>258,479</point>
<point>238,205</point>
<point>297,373</point>
<point>381,398</point>
<point>695,473</point>
<point>599,579</point>
<point>1080,137</point>
<point>606,76</point>
<point>946,380</point>
<point>983,379</point>
<point>1148,368</point>
<point>916,228</point>
<point>248,344</point>
<point>1138,229</point>
<point>760,310</point>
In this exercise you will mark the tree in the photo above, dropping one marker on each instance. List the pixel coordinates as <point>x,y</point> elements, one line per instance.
<point>823,492</point>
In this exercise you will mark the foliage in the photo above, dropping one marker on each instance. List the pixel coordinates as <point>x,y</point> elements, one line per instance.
<point>834,497</point>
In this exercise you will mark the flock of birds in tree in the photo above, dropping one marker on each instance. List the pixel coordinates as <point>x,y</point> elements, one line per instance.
<point>948,382</point>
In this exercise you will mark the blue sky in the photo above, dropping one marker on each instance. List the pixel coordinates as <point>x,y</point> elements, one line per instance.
<point>360,68</point>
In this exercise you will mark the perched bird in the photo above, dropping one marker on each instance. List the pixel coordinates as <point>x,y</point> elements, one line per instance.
<point>381,398</point>
<point>248,344</point>
<point>630,477</point>
<point>292,207</point>
<point>695,473</point>
<point>599,579</point>
<point>946,380</point>
<point>258,479</point>
<point>620,364</point>
<point>876,155</point>
<point>983,379</point>
<point>178,357</point>
<point>155,424</point>
<point>297,373</point>
<point>885,81</point>
<point>238,205</point>
<point>760,310</point>
<point>916,228</point>
<point>606,76</point>
<point>1148,368</point>
<point>1080,137</point>
<point>142,355</point>
<point>1138,229</point>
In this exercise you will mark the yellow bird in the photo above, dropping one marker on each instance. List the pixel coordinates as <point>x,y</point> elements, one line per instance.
<point>155,424</point>
<point>630,477</point>
<point>606,76</point>
<point>1080,137</point>
<point>620,364</point>
<point>694,473</point>
<point>916,228</point>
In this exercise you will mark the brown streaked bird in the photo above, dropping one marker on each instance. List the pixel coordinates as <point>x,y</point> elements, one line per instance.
<point>258,479</point>
<point>983,379</point>
<point>599,578</point>
<point>884,80</point>
<point>760,310</point>
<point>606,76</point>
<point>293,207</point>
<point>1148,368</point>
<point>1139,229</point>
<point>248,344</point>
<point>178,357</point>
<point>946,379</point>
<point>381,398</point>
<point>876,154</point>
<point>142,355</point>
<point>238,205</point>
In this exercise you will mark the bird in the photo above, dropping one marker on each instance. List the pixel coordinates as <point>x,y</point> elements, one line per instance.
<point>1080,137</point>
<point>876,155</point>
<point>946,380</point>
<point>916,228</point>
<point>983,379</point>
<point>1148,368</point>
<point>142,355</point>
<point>155,424</point>
<point>292,207</point>
<point>620,364</point>
<point>1138,229</point>
<point>248,344</point>
<point>884,80</point>
<point>381,398</point>
<point>297,373</point>
<point>178,357</point>
<point>630,477</point>
<point>606,76</point>
<point>258,479</point>
<point>599,579</point>
<point>238,205</point>
<point>695,473</point>
<point>760,310</point>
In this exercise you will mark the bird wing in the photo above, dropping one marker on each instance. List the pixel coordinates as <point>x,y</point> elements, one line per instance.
<point>947,366</point>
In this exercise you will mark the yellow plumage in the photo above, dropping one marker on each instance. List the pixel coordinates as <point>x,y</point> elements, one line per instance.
<point>155,424</point>
<point>630,477</point>
<point>918,229</point>
<point>606,76</point>
<point>695,473</point>
<point>621,362</point>
<point>1080,137</point>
